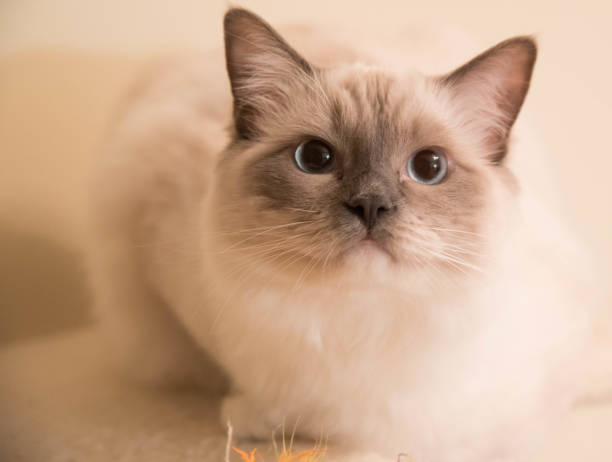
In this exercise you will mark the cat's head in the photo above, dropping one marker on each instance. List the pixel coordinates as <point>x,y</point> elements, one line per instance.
<point>335,169</point>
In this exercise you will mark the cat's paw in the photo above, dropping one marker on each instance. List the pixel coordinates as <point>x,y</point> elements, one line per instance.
<point>247,421</point>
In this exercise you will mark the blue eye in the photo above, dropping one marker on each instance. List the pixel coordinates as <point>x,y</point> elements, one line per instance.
<point>427,166</point>
<point>314,157</point>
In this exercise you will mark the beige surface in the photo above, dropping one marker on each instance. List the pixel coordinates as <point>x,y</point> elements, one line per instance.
<point>66,405</point>
<point>63,65</point>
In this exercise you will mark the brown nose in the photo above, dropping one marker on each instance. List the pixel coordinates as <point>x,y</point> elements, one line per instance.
<point>368,208</point>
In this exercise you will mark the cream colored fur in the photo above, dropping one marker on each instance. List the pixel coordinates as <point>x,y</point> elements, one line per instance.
<point>368,355</point>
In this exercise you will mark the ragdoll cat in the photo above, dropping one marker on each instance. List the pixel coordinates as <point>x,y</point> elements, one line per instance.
<point>355,253</point>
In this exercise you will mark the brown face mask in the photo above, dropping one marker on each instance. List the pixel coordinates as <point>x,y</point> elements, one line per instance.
<point>325,161</point>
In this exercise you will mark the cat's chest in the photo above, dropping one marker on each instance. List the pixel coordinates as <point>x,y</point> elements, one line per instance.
<point>357,329</point>
<point>374,339</point>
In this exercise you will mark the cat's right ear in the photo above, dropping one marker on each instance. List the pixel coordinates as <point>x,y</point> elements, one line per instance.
<point>261,68</point>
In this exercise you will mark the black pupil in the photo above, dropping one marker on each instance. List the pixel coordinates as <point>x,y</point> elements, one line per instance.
<point>427,165</point>
<point>315,156</point>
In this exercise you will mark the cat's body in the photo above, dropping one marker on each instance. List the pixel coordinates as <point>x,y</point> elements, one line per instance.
<point>461,363</point>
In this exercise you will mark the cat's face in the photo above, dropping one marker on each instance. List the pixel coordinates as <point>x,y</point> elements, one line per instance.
<point>332,168</point>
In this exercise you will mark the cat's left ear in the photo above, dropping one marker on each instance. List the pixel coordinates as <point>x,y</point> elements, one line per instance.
<point>490,89</point>
<point>262,69</point>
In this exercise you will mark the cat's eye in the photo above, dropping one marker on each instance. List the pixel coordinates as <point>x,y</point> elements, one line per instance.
<point>314,156</point>
<point>427,166</point>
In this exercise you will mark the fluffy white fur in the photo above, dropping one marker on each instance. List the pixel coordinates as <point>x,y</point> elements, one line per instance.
<point>369,358</point>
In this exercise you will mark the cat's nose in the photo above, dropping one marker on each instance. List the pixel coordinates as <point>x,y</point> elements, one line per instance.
<point>368,208</point>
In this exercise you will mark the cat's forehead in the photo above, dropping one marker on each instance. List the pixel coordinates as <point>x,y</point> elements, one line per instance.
<point>362,94</point>
<point>379,111</point>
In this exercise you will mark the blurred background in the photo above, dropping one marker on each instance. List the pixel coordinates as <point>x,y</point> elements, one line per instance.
<point>65,63</point>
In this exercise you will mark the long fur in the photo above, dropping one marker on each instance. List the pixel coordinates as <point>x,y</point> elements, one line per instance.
<point>461,341</point>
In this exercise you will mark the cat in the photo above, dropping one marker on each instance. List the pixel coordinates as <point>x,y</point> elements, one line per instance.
<point>355,253</point>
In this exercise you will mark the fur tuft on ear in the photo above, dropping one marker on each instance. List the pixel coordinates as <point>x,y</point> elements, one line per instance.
<point>490,89</point>
<point>261,68</point>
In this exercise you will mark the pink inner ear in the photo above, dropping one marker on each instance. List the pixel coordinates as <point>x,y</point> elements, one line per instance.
<point>261,68</point>
<point>488,91</point>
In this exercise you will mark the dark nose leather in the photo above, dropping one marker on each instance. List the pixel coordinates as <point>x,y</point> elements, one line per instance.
<point>368,208</point>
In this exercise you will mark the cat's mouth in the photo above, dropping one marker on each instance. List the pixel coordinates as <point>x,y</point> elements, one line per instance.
<point>371,247</point>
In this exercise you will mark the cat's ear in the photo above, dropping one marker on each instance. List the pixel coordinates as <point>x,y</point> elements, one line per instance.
<point>490,89</point>
<point>261,68</point>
